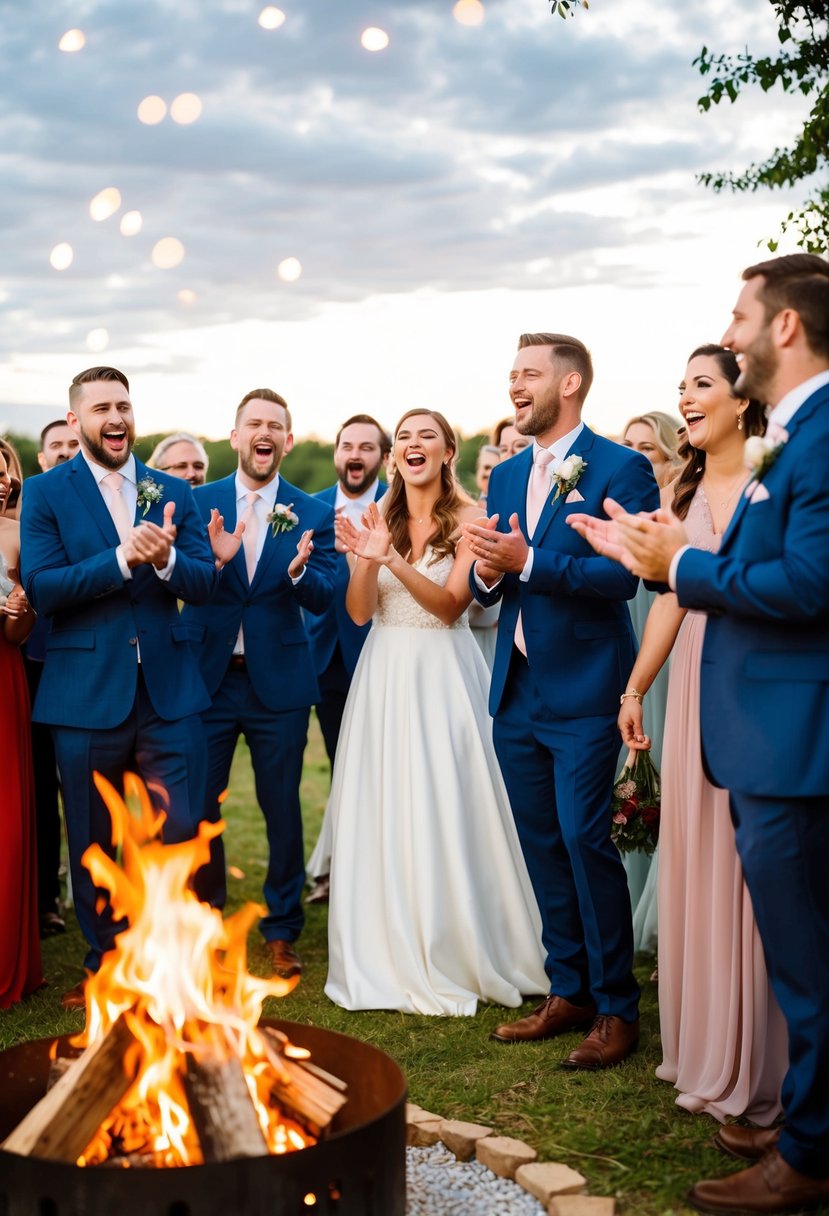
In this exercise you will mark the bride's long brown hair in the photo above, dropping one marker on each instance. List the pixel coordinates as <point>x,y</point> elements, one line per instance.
<point>449,502</point>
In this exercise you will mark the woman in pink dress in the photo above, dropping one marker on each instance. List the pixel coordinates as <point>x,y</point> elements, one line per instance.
<point>20,971</point>
<point>723,1036</point>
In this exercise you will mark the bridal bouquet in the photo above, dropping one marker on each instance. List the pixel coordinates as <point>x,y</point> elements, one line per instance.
<point>635,805</point>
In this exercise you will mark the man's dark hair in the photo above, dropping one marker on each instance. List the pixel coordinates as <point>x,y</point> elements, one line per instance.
<point>799,281</point>
<point>569,352</point>
<point>91,376</point>
<point>264,394</point>
<point>366,420</point>
<point>50,426</point>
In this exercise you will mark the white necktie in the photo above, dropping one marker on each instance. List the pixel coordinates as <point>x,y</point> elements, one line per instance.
<point>117,506</point>
<point>250,537</point>
<point>538,490</point>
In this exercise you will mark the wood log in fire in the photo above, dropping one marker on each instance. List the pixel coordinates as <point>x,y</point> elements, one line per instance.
<point>312,1095</point>
<point>222,1109</point>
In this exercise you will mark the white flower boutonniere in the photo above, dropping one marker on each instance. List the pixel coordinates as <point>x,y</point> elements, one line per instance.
<point>566,475</point>
<point>282,518</point>
<point>762,451</point>
<point>149,492</point>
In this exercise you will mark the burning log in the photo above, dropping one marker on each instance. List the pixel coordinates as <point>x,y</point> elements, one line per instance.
<point>312,1095</point>
<point>222,1109</point>
<point>62,1123</point>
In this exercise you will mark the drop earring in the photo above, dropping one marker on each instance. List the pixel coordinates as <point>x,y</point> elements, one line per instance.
<point>739,422</point>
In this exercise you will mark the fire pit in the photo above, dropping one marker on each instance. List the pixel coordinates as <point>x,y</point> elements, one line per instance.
<point>359,1170</point>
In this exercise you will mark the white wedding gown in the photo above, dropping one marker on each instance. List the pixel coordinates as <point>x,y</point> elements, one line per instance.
<point>431,907</point>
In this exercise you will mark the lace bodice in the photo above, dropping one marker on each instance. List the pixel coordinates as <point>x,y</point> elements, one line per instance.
<point>699,524</point>
<point>398,609</point>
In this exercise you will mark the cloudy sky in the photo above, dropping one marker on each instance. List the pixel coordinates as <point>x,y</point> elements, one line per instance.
<point>439,196</point>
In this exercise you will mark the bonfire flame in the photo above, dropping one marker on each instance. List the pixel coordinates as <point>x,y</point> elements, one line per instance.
<point>178,974</point>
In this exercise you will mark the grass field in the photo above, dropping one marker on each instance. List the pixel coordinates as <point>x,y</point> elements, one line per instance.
<point>621,1128</point>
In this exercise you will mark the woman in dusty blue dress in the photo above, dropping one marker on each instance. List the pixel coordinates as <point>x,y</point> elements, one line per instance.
<point>656,436</point>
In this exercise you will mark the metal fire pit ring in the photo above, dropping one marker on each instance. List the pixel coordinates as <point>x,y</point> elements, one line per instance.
<point>359,1170</point>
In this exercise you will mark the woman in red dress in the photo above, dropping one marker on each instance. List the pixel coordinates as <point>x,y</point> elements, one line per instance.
<point>20,969</point>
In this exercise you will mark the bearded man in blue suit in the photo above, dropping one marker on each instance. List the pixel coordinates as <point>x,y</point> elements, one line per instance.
<point>108,548</point>
<point>255,657</point>
<point>764,701</point>
<point>565,642</point>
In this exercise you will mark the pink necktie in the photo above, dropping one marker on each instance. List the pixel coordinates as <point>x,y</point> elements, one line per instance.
<point>117,507</point>
<point>538,487</point>
<point>538,491</point>
<point>250,536</point>
<point>777,433</point>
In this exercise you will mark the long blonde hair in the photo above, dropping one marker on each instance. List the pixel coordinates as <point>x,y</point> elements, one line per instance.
<point>447,506</point>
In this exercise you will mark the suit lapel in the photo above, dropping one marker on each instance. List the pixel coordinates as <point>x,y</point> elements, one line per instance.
<point>581,447</point>
<point>86,487</point>
<point>519,468</point>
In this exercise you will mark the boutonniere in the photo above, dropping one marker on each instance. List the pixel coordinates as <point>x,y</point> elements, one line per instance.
<point>762,451</point>
<point>282,518</point>
<point>567,474</point>
<point>149,493</point>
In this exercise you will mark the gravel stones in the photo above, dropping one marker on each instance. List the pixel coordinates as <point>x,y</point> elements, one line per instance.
<point>437,1184</point>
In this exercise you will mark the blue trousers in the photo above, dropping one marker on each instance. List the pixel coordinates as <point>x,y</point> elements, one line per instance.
<point>277,742</point>
<point>559,775</point>
<point>784,850</point>
<point>167,754</point>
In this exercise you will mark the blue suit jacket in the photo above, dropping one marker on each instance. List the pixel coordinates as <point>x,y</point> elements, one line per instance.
<point>71,574</point>
<point>765,661</point>
<point>580,642</point>
<point>335,625</point>
<point>276,644</point>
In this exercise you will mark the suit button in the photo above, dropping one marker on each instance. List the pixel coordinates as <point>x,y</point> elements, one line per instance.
<point>133,641</point>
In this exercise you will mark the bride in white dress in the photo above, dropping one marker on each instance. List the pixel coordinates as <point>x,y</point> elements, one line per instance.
<point>431,907</point>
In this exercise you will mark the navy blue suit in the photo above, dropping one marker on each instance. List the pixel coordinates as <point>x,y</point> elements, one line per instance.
<point>269,700</point>
<point>555,718</point>
<point>335,643</point>
<point>108,712</point>
<point>765,724</point>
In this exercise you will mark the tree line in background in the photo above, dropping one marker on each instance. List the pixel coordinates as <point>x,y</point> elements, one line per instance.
<point>310,465</point>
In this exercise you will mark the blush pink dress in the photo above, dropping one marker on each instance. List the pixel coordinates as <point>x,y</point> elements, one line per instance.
<point>723,1035</point>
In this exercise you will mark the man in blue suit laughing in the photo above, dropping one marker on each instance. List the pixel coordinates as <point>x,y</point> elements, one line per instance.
<point>255,657</point>
<point>108,548</point>
<point>565,642</point>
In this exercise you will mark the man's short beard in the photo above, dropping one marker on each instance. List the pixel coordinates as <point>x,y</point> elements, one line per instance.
<point>102,456</point>
<point>369,477</point>
<point>757,379</point>
<point>250,470</point>
<point>540,419</point>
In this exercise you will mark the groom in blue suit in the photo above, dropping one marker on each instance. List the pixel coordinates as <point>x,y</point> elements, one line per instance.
<point>108,548</point>
<point>565,645</point>
<point>255,657</point>
<point>765,701</point>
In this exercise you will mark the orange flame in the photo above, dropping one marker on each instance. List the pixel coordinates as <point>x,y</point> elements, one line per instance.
<point>178,973</point>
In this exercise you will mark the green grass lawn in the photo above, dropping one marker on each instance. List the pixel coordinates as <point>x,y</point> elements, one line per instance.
<point>620,1128</point>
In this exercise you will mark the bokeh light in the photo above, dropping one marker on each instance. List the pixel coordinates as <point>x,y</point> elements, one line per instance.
<point>131,223</point>
<point>186,297</point>
<point>105,203</point>
<point>374,39</point>
<point>468,12</point>
<point>152,110</point>
<point>72,40</point>
<point>289,270</point>
<point>186,108</point>
<point>97,340</point>
<point>271,17</point>
<point>62,256</point>
<point>167,253</point>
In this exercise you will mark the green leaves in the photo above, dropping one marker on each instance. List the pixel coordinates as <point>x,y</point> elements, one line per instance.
<point>567,8</point>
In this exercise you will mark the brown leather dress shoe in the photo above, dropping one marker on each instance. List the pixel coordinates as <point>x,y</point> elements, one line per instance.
<point>286,961</point>
<point>553,1016</point>
<point>75,998</point>
<point>771,1186</point>
<point>747,1143</point>
<point>609,1041</point>
<point>321,890</point>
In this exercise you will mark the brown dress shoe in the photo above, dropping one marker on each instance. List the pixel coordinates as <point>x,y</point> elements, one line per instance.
<point>771,1186</point>
<point>75,998</point>
<point>286,961</point>
<point>553,1016</point>
<point>747,1143</point>
<point>609,1041</point>
<point>321,890</point>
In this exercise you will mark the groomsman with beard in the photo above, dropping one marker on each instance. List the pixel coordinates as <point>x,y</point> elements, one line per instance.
<point>764,701</point>
<point>255,657</point>
<point>107,551</point>
<point>565,642</point>
<point>360,450</point>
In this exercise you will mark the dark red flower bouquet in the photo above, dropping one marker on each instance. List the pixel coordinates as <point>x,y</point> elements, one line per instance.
<point>635,805</point>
